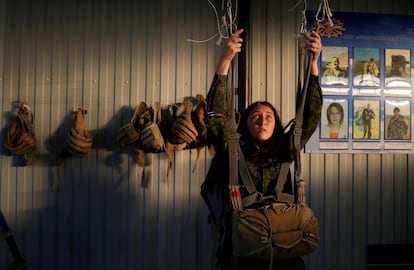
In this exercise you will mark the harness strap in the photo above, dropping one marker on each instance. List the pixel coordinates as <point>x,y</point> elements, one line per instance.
<point>233,140</point>
<point>244,173</point>
<point>282,178</point>
<point>297,133</point>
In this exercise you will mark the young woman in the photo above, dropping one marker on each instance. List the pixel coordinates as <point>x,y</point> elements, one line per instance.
<point>262,141</point>
<point>335,128</point>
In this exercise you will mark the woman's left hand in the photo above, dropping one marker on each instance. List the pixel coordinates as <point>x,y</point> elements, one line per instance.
<point>313,44</point>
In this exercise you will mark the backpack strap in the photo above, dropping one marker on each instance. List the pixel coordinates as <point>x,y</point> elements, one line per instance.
<point>297,132</point>
<point>233,145</point>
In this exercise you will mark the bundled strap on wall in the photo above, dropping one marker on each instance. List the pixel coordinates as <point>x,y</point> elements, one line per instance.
<point>130,132</point>
<point>20,138</point>
<point>78,141</point>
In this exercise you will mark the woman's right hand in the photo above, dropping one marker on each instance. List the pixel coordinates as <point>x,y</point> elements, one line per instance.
<point>232,46</point>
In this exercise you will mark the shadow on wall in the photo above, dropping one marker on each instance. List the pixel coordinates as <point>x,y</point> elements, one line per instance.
<point>103,138</point>
<point>87,225</point>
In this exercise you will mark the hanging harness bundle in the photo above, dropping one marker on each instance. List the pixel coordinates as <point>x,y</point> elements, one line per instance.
<point>187,129</point>
<point>151,139</point>
<point>79,140</point>
<point>20,139</point>
<point>183,130</point>
<point>130,132</point>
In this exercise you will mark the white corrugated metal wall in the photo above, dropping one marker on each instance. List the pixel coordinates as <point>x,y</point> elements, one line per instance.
<point>109,55</point>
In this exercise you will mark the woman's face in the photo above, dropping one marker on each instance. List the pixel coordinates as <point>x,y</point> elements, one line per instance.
<point>261,123</point>
<point>335,116</point>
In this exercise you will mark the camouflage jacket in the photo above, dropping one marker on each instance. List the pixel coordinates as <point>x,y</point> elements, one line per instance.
<point>263,166</point>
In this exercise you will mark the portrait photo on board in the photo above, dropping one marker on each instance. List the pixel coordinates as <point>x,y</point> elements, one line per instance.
<point>397,120</point>
<point>366,121</point>
<point>397,68</point>
<point>334,65</point>
<point>366,67</point>
<point>334,121</point>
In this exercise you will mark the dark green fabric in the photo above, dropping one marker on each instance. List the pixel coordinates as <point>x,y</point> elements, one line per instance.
<point>312,110</point>
<point>217,131</point>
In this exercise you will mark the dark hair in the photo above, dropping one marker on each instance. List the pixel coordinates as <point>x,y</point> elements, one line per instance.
<point>277,138</point>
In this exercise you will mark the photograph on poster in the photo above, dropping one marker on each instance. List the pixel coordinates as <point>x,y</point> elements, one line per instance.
<point>397,68</point>
<point>397,120</point>
<point>366,67</point>
<point>366,121</point>
<point>334,65</point>
<point>334,121</point>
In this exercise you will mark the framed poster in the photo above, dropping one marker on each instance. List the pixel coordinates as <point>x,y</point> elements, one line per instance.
<point>366,78</point>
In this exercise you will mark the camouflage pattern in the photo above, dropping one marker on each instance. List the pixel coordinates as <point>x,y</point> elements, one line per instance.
<point>397,127</point>
<point>263,170</point>
<point>312,110</point>
<point>263,175</point>
<point>217,130</point>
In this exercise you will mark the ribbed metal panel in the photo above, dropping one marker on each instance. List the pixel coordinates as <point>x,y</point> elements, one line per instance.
<point>107,56</point>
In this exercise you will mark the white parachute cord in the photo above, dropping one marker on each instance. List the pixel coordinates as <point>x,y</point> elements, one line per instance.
<point>326,12</point>
<point>232,19</point>
<point>303,25</point>
<point>225,26</point>
<point>218,27</point>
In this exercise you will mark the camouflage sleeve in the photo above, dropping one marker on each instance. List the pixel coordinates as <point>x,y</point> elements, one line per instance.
<point>217,108</point>
<point>312,110</point>
<point>216,96</point>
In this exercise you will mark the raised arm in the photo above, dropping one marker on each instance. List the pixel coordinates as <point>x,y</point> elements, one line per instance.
<point>313,105</point>
<point>232,46</point>
<point>216,97</point>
